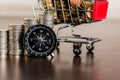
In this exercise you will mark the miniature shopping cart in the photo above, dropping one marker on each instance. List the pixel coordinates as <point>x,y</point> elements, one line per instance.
<point>41,40</point>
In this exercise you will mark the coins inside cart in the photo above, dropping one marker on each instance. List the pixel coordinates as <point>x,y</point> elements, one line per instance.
<point>16,33</point>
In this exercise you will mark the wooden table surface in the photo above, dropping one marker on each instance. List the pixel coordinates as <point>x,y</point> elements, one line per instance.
<point>102,64</point>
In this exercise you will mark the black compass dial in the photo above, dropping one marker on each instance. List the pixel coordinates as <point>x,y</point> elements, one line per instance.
<point>40,41</point>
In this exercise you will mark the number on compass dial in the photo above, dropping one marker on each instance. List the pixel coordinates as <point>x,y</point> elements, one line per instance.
<point>40,41</point>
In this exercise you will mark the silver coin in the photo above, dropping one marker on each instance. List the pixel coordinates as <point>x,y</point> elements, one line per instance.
<point>3,34</point>
<point>48,18</point>
<point>29,22</point>
<point>16,31</point>
<point>16,38</point>
<point>13,32</point>
<point>15,42</point>
<point>15,53</point>
<point>48,22</point>
<point>16,34</point>
<point>15,47</point>
<point>3,30</point>
<point>3,52</point>
<point>4,37</point>
<point>16,26</point>
<point>41,19</point>
<point>4,49</point>
<point>3,40</point>
<point>49,15</point>
<point>3,46</point>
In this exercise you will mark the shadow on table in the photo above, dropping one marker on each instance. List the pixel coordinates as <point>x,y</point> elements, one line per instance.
<point>27,68</point>
<point>83,70</point>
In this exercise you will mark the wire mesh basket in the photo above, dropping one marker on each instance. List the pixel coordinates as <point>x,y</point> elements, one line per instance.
<point>74,11</point>
<point>67,11</point>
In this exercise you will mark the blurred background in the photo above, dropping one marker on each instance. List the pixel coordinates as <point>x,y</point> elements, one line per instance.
<point>19,8</point>
<point>103,66</point>
<point>22,9</point>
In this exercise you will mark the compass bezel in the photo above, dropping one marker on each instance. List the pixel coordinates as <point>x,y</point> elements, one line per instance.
<point>28,47</point>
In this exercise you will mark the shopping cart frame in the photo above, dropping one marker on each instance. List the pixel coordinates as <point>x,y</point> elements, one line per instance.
<point>65,24</point>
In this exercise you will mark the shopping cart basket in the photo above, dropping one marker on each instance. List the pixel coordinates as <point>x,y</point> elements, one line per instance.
<point>40,40</point>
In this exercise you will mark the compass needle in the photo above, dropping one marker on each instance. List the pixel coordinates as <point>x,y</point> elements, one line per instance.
<point>36,43</point>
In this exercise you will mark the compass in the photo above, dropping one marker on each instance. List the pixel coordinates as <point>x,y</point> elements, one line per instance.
<point>40,41</point>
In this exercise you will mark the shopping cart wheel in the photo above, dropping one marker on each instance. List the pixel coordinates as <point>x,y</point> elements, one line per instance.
<point>77,48</point>
<point>90,47</point>
<point>40,41</point>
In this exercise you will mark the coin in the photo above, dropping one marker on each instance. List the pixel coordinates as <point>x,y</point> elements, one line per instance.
<point>16,52</point>
<point>29,22</point>
<point>16,33</point>
<point>41,19</point>
<point>4,52</point>
<point>3,41</point>
<point>48,20</point>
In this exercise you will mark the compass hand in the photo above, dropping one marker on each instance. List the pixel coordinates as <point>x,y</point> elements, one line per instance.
<point>35,44</point>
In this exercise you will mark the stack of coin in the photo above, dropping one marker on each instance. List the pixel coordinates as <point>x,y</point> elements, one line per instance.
<point>29,22</point>
<point>3,42</point>
<point>48,20</point>
<point>16,33</point>
<point>41,18</point>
